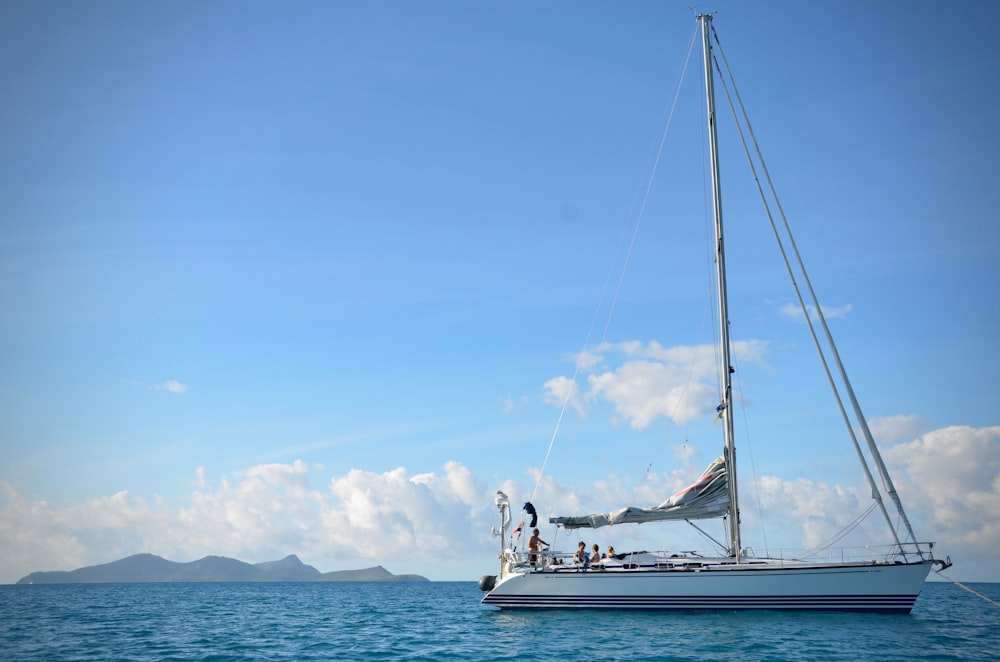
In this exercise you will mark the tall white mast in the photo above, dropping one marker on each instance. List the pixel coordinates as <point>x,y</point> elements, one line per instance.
<point>720,269</point>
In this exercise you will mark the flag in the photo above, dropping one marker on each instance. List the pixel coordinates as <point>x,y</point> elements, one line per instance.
<point>516,530</point>
<point>721,409</point>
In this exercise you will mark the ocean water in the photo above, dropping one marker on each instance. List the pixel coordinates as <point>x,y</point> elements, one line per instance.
<point>444,621</point>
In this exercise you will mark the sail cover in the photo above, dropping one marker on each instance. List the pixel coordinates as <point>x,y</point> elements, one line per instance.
<point>705,498</point>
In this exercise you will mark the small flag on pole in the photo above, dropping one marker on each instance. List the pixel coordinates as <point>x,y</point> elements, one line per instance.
<point>721,409</point>
<point>516,530</point>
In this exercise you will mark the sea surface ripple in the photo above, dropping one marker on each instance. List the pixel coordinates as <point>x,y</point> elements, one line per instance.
<point>444,621</point>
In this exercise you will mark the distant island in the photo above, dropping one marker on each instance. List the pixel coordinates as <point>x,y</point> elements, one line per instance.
<point>151,568</point>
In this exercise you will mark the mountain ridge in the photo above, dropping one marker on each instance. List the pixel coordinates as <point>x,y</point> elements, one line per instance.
<point>150,568</point>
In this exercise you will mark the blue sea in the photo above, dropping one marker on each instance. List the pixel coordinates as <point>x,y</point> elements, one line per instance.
<point>444,621</point>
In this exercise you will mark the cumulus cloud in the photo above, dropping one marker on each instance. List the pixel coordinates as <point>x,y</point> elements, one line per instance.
<point>563,391</point>
<point>647,381</point>
<point>897,428</point>
<point>35,533</point>
<point>809,514</point>
<point>947,479</point>
<point>642,391</point>
<point>409,523</point>
<point>952,478</point>
<point>438,523</point>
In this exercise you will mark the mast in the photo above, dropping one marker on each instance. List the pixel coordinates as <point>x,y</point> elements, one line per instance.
<point>726,379</point>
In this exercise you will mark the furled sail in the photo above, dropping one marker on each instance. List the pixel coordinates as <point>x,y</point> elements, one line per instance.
<point>705,498</point>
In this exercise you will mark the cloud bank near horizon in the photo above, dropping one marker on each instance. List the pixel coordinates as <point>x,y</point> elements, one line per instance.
<point>438,524</point>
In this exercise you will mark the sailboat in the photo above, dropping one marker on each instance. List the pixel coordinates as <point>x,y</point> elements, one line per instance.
<point>879,580</point>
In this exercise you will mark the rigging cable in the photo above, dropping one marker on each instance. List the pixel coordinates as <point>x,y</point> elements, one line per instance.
<point>571,388</point>
<point>680,398</point>
<point>876,495</point>
<point>749,445</point>
<point>843,532</point>
<point>649,188</point>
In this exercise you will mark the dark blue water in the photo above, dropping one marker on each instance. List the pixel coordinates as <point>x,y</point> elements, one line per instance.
<point>444,621</point>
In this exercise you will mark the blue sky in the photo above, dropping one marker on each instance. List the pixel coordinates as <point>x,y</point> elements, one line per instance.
<point>298,278</point>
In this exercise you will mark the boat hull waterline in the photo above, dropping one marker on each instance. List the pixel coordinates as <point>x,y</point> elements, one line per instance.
<point>884,588</point>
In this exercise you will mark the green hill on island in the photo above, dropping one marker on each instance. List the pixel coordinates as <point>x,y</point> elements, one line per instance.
<point>152,568</point>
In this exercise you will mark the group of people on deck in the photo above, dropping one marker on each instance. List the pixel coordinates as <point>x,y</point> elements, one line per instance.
<point>582,557</point>
<point>586,559</point>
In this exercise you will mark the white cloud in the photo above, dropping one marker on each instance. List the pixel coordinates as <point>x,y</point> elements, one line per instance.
<point>896,428</point>
<point>646,381</point>
<point>642,391</point>
<point>437,523</point>
<point>426,524</point>
<point>948,481</point>
<point>586,360</point>
<point>171,385</point>
<point>794,311</point>
<point>810,513</point>
<point>563,391</point>
<point>952,478</point>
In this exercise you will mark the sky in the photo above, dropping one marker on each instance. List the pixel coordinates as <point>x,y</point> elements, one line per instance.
<point>318,278</point>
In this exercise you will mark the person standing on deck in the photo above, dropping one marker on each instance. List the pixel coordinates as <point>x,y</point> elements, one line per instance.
<point>535,546</point>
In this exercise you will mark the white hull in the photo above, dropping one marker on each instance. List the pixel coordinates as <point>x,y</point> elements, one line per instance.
<point>889,588</point>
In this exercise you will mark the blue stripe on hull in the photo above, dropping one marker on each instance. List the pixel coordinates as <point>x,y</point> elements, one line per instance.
<point>899,604</point>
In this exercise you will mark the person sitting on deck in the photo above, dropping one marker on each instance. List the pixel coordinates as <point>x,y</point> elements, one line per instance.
<point>595,554</point>
<point>582,556</point>
<point>611,553</point>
